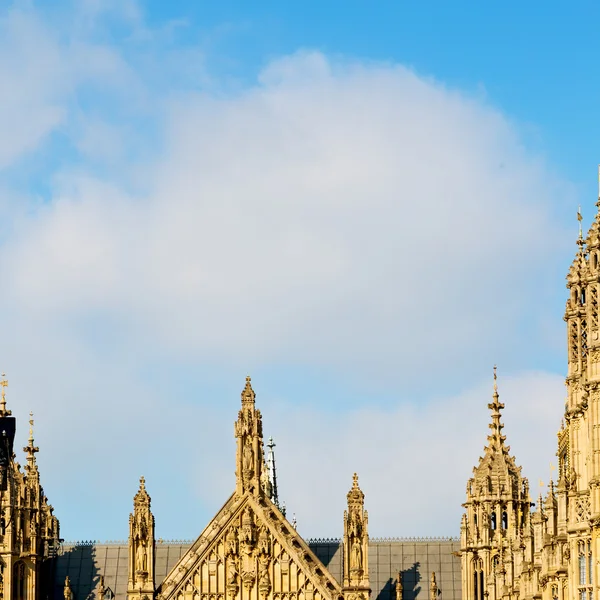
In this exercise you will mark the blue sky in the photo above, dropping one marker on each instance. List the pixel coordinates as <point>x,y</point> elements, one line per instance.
<point>363,206</point>
<point>537,60</point>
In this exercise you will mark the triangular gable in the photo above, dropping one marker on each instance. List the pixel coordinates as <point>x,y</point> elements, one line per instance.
<point>249,551</point>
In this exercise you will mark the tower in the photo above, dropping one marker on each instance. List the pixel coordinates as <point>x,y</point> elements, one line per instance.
<point>141,583</point>
<point>496,536</point>
<point>578,490</point>
<point>356,546</point>
<point>29,532</point>
<point>250,462</point>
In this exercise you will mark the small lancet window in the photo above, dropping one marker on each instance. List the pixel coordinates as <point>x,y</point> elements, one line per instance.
<point>493,520</point>
<point>595,261</point>
<point>582,297</point>
<point>504,520</point>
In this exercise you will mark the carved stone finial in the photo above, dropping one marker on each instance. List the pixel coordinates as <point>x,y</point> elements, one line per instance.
<point>272,473</point>
<point>248,395</point>
<point>399,589</point>
<point>68,592</point>
<point>433,589</point>
<point>4,385</point>
<point>355,558</point>
<point>31,449</point>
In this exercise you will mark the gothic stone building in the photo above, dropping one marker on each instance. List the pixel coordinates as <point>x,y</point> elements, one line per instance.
<point>509,547</point>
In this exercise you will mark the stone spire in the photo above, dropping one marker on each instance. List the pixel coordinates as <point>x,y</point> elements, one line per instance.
<point>30,450</point>
<point>141,546</point>
<point>272,470</point>
<point>497,516</point>
<point>250,454</point>
<point>496,439</point>
<point>4,385</point>
<point>497,471</point>
<point>356,545</point>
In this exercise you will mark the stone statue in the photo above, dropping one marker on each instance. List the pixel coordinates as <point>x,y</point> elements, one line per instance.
<point>231,572</point>
<point>248,458</point>
<point>356,556</point>
<point>263,572</point>
<point>140,557</point>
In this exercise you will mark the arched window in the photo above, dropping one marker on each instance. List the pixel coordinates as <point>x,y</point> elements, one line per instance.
<point>478,581</point>
<point>493,520</point>
<point>504,520</point>
<point>585,568</point>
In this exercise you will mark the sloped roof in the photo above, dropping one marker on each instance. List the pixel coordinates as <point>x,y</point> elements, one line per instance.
<point>85,563</point>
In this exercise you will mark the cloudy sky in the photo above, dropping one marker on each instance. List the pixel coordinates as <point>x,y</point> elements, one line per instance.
<point>362,208</point>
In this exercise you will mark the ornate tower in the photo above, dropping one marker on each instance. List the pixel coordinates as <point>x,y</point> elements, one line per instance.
<point>29,532</point>
<point>250,462</point>
<point>356,546</point>
<point>496,536</point>
<point>141,547</point>
<point>578,491</point>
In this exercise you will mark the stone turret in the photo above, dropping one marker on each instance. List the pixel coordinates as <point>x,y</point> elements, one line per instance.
<point>141,546</point>
<point>29,532</point>
<point>356,545</point>
<point>250,461</point>
<point>495,528</point>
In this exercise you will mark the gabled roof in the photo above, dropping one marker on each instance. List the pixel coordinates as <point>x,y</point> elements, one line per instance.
<point>249,542</point>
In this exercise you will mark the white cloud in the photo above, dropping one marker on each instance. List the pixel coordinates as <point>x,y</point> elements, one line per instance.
<point>354,218</point>
<point>413,461</point>
<point>308,217</point>
<point>32,80</point>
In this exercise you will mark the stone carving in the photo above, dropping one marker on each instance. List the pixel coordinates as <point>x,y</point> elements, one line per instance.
<point>67,592</point>
<point>356,575</point>
<point>141,557</point>
<point>356,556</point>
<point>248,461</point>
<point>399,589</point>
<point>433,589</point>
<point>231,542</point>
<point>141,545</point>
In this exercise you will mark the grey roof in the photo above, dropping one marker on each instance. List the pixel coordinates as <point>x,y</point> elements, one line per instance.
<point>415,559</point>
<point>84,563</point>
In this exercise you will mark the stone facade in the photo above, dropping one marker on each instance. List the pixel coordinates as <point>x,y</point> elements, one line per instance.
<point>29,534</point>
<point>509,548</point>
